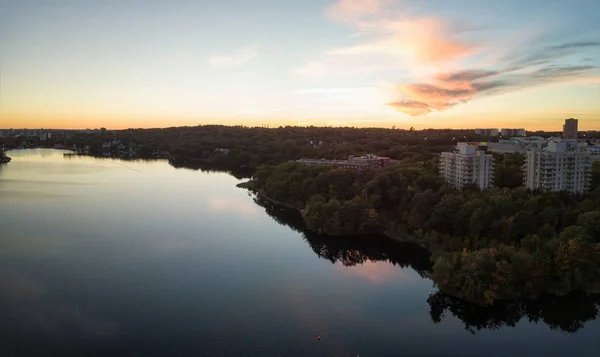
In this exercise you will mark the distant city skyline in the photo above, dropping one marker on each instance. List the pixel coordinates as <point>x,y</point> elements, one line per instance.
<point>364,63</point>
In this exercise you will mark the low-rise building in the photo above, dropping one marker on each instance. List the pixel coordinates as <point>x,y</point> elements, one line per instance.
<point>353,163</point>
<point>467,166</point>
<point>556,168</point>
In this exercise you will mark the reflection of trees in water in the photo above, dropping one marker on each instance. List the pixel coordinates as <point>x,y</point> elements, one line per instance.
<point>567,313</point>
<point>239,173</point>
<point>353,250</point>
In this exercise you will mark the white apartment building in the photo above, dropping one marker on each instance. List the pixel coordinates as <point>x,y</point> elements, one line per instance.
<point>557,169</point>
<point>467,166</point>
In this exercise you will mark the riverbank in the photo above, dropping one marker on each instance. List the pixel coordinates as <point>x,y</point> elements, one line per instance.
<point>388,233</point>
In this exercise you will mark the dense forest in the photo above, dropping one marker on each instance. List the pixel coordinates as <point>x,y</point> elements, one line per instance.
<point>567,313</point>
<point>255,146</point>
<point>501,243</point>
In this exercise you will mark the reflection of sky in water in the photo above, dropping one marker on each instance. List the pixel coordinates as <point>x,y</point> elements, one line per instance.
<point>99,256</point>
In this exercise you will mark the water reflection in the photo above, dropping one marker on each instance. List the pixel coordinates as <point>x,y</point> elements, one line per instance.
<point>354,250</point>
<point>566,313</point>
<point>238,173</point>
<point>149,260</point>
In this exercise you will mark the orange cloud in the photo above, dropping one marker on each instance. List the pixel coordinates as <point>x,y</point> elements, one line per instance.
<point>395,41</point>
<point>446,90</point>
<point>421,39</point>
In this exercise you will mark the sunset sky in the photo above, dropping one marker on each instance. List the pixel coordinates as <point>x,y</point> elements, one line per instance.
<point>379,63</point>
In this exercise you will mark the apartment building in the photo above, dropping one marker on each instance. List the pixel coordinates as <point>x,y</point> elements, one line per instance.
<point>467,166</point>
<point>487,132</point>
<point>570,129</point>
<point>555,168</point>
<point>509,133</point>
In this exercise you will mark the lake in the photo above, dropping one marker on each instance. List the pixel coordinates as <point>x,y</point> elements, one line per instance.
<point>103,257</point>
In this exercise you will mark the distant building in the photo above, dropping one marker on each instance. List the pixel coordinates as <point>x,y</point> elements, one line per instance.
<point>487,132</point>
<point>506,148</point>
<point>467,166</point>
<point>557,169</point>
<point>353,163</point>
<point>570,129</point>
<point>45,136</point>
<point>507,133</point>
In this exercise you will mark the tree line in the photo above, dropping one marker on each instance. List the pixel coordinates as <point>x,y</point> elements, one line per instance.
<point>501,243</point>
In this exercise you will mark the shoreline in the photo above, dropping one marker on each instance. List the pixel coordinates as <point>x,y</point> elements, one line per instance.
<point>386,233</point>
<point>4,159</point>
<point>431,248</point>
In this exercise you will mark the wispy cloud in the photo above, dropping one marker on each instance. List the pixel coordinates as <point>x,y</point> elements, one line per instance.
<point>426,40</point>
<point>354,10</point>
<point>235,59</point>
<point>339,67</point>
<point>447,90</point>
<point>385,40</point>
<point>394,40</point>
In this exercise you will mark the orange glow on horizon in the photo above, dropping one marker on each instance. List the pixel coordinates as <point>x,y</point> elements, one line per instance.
<point>529,121</point>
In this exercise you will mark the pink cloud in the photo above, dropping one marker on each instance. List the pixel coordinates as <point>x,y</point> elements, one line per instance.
<point>446,90</point>
<point>422,45</point>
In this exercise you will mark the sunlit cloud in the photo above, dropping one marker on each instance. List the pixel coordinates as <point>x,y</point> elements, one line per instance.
<point>424,40</point>
<point>386,40</point>
<point>235,59</point>
<point>391,39</point>
<point>447,90</point>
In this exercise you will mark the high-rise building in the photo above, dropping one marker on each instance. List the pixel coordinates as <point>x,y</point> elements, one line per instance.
<point>487,132</point>
<point>512,132</point>
<point>557,169</point>
<point>570,129</point>
<point>467,166</point>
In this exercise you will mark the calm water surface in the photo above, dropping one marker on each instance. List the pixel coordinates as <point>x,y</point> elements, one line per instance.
<point>107,257</point>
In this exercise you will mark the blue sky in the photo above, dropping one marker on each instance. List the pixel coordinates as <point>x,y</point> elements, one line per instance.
<point>348,62</point>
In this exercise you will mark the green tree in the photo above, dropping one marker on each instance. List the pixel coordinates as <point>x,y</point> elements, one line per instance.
<point>590,222</point>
